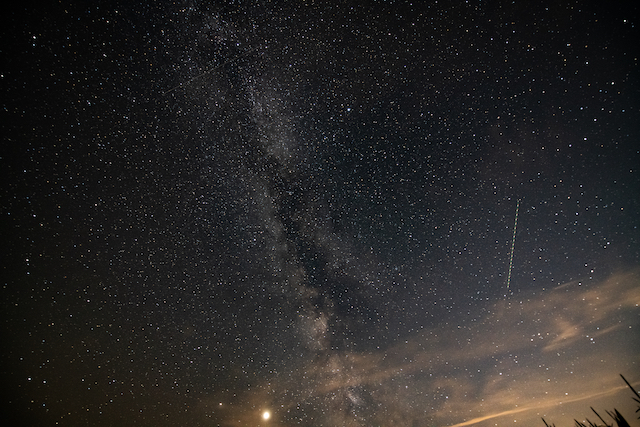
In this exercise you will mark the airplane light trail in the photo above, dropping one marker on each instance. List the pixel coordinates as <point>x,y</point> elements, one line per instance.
<point>513,244</point>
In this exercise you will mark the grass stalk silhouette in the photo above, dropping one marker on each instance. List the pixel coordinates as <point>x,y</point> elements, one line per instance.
<point>617,417</point>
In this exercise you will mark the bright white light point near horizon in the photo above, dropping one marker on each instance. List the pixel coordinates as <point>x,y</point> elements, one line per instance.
<point>266,415</point>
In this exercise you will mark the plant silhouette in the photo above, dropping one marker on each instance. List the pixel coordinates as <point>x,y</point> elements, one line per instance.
<point>615,414</point>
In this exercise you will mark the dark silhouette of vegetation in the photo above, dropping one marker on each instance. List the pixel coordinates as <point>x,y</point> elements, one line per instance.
<point>617,416</point>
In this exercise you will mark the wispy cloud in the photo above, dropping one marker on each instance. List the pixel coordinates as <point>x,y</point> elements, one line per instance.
<point>540,405</point>
<point>550,354</point>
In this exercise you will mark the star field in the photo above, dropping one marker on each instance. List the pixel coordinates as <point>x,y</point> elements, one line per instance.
<point>302,213</point>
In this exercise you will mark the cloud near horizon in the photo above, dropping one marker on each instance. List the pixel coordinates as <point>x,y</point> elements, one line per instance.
<point>549,354</point>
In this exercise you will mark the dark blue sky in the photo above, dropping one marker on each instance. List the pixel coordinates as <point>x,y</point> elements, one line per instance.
<point>213,210</point>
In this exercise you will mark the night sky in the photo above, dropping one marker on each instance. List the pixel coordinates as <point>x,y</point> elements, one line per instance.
<point>213,212</point>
